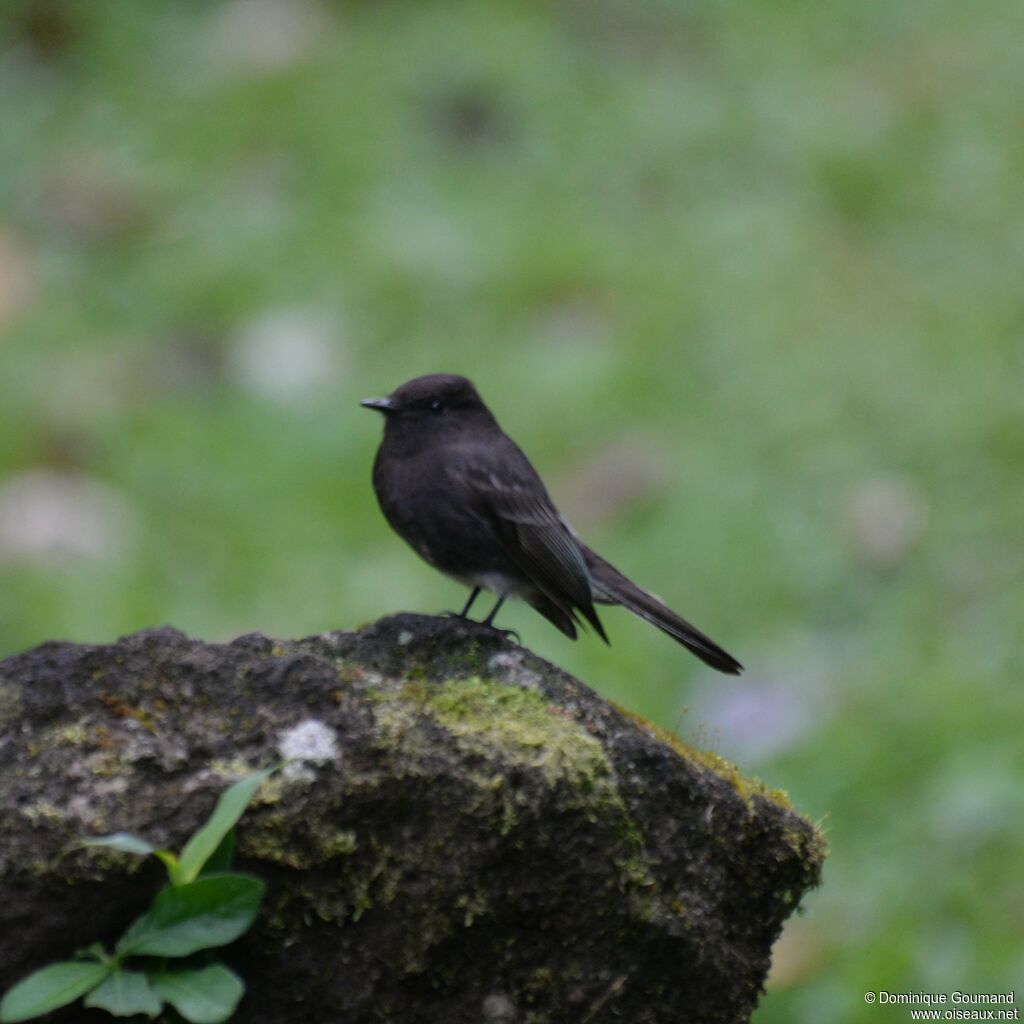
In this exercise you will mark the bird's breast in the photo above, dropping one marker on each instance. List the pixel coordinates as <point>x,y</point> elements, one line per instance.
<point>436,517</point>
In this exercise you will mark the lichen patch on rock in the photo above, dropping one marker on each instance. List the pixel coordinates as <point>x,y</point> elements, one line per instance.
<point>310,740</point>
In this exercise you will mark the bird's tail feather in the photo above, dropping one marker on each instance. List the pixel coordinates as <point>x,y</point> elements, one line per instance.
<point>611,587</point>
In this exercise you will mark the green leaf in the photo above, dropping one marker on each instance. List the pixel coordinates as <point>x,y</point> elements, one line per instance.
<point>221,858</point>
<point>49,988</point>
<point>127,843</point>
<point>230,807</point>
<point>211,911</point>
<point>94,951</point>
<point>125,993</point>
<point>205,996</point>
<point>170,862</point>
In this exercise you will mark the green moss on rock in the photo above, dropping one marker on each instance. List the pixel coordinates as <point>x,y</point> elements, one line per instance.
<point>10,704</point>
<point>747,787</point>
<point>522,728</point>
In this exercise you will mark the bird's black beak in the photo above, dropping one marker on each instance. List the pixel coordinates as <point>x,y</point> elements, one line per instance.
<point>380,404</point>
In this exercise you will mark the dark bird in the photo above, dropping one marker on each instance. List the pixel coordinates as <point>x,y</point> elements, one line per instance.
<point>456,488</point>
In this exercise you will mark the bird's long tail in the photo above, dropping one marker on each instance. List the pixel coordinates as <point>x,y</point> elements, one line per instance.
<point>611,587</point>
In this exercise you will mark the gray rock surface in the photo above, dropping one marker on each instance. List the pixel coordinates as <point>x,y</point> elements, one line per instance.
<point>465,833</point>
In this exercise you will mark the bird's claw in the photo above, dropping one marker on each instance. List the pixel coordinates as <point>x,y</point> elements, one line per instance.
<point>508,634</point>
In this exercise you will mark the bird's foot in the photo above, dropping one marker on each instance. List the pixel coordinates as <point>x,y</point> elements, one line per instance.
<point>508,634</point>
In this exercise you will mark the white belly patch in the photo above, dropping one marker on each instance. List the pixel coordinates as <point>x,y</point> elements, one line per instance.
<point>496,582</point>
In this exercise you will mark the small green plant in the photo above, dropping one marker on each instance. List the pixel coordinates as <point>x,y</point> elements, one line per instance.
<point>203,906</point>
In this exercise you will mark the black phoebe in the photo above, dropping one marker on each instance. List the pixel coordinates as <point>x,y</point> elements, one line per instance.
<point>456,488</point>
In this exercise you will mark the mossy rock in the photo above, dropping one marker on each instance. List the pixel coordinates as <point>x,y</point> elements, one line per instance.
<point>465,833</point>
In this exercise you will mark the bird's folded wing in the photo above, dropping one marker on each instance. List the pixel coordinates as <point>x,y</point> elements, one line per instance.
<point>530,530</point>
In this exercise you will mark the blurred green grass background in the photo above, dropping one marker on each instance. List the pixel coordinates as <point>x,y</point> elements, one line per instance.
<point>745,282</point>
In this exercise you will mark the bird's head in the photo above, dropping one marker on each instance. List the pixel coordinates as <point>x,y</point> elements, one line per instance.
<point>439,403</point>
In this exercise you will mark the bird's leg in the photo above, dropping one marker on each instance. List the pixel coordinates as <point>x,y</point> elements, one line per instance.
<point>489,621</point>
<point>465,611</point>
<point>469,603</point>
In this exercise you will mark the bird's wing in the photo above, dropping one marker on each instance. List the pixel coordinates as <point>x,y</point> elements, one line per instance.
<point>507,491</point>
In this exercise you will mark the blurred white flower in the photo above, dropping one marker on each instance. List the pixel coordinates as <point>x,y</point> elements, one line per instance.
<point>884,518</point>
<point>285,354</point>
<point>47,515</point>
<point>576,320</point>
<point>265,35</point>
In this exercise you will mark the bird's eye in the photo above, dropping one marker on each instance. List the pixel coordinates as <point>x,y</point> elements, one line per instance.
<point>437,405</point>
